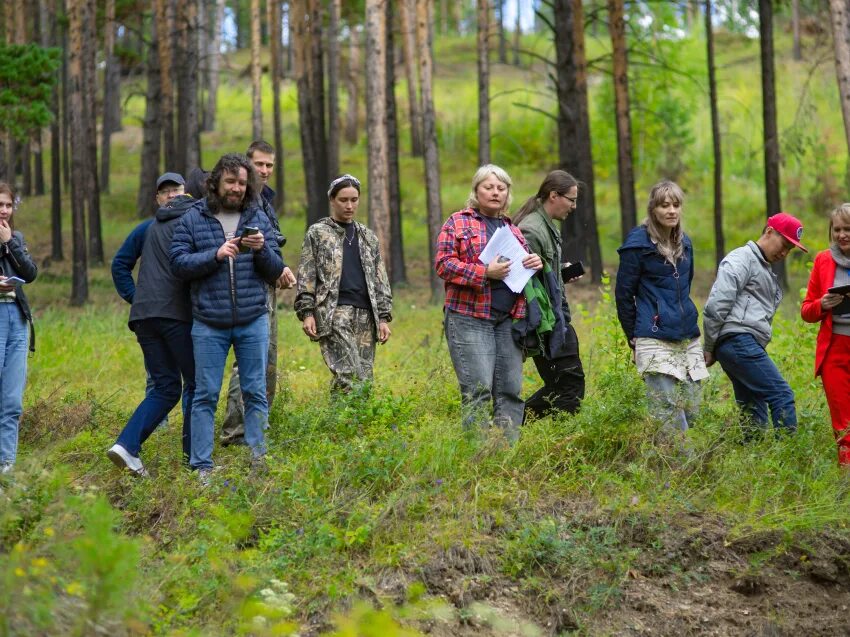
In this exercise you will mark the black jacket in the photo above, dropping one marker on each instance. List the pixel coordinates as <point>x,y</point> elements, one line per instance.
<point>15,261</point>
<point>159,293</point>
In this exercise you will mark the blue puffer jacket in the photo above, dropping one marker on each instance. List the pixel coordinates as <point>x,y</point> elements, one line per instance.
<point>223,298</point>
<point>653,296</point>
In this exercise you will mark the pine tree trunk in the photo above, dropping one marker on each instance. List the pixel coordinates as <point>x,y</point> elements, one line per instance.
<point>275,76</point>
<point>719,242</point>
<point>424,44</point>
<point>66,119</point>
<point>797,50</point>
<point>40,24</point>
<point>256,73</point>
<point>625,167</point>
<point>164,20</point>
<point>333,88</point>
<point>188,129</point>
<point>353,87</point>
<point>79,281</point>
<point>483,82</point>
<point>151,133</point>
<point>408,42</point>
<point>111,87</point>
<point>25,160</point>
<point>503,42</point>
<point>56,251</point>
<point>396,256</point>
<point>771,132</point>
<point>213,66</point>
<point>840,12</point>
<point>96,256</point>
<point>517,33</point>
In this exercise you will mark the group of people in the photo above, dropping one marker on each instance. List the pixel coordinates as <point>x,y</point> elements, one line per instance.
<point>211,264</point>
<point>490,328</point>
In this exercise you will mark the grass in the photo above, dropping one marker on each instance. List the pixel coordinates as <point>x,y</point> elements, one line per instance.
<point>383,498</point>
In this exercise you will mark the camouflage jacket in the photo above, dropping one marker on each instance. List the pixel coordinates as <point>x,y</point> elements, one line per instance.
<point>320,270</point>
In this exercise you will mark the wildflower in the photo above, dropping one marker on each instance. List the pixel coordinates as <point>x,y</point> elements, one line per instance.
<point>439,482</point>
<point>49,532</point>
<point>74,588</point>
<point>20,572</point>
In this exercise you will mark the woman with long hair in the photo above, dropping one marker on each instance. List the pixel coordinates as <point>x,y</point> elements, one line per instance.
<point>479,305</point>
<point>656,312</point>
<point>343,298</point>
<point>16,330</point>
<point>832,355</point>
<point>561,370</point>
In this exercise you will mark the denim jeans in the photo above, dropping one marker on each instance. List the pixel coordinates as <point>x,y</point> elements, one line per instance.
<point>488,365</point>
<point>167,347</point>
<point>757,382</point>
<point>673,402</point>
<point>14,332</point>
<point>251,343</point>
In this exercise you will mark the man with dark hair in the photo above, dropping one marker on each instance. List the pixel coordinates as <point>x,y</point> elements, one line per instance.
<point>227,248</point>
<point>262,156</point>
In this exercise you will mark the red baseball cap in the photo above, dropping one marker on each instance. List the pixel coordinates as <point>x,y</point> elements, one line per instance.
<point>789,227</point>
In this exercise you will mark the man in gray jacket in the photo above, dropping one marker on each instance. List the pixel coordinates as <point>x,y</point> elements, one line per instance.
<point>737,323</point>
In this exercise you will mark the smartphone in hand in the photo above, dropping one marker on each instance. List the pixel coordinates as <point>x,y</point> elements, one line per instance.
<point>247,231</point>
<point>571,271</point>
<point>12,280</point>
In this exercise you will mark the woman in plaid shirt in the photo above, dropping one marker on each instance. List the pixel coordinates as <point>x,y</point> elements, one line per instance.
<point>479,305</point>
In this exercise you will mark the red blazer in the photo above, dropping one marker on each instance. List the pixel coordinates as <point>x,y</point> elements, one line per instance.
<point>821,279</point>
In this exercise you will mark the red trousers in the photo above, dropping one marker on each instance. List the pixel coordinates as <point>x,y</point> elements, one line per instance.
<point>835,375</point>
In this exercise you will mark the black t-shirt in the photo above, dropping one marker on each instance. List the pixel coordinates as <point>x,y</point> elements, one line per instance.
<point>501,296</point>
<point>352,283</point>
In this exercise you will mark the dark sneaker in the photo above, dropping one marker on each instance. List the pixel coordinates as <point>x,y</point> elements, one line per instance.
<point>123,459</point>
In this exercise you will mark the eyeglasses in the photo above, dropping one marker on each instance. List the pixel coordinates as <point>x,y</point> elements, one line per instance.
<point>572,200</point>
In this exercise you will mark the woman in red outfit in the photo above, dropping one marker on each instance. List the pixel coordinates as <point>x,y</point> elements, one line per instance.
<point>832,356</point>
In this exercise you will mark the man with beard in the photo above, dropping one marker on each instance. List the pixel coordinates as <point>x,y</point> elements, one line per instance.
<point>226,247</point>
<point>262,156</point>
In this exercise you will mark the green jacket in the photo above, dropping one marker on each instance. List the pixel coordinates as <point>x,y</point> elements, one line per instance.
<point>544,238</point>
<point>320,271</point>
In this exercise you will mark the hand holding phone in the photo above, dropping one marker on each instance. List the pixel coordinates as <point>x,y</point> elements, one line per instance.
<point>247,231</point>
<point>12,280</point>
<point>571,271</point>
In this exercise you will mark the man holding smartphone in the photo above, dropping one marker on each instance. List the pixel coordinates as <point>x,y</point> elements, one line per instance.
<point>262,156</point>
<point>229,299</point>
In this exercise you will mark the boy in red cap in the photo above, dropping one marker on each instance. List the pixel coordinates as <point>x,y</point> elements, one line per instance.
<point>737,323</point>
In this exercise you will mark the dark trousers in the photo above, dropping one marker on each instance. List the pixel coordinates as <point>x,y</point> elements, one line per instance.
<point>167,347</point>
<point>563,386</point>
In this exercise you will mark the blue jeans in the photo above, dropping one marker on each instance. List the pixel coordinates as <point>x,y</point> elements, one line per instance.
<point>251,344</point>
<point>488,365</point>
<point>14,332</point>
<point>673,402</point>
<point>757,382</point>
<point>167,347</point>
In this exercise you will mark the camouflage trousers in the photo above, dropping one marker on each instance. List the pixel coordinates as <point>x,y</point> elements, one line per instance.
<point>349,350</point>
<point>233,426</point>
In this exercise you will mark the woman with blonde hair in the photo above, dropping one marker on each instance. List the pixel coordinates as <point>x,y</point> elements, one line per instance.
<point>479,305</point>
<point>655,309</point>
<point>832,311</point>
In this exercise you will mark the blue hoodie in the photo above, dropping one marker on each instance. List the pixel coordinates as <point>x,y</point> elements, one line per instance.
<point>653,295</point>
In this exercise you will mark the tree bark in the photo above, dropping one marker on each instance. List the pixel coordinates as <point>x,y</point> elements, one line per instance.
<point>111,97</point>
<point>353,88</point>
<point>213,66</point>
<point>840,12</point>
<point>408,43</point>
<point>256,73</point>
<point>333,88</point>
<point>151,133</point>
<point>771,132</point>
<point>797,51</point>
<point>517,32</point>
<point>396,255</point>
<point>275,75</point>
<point>66,119</point>
<point>164,20</point>
<point>579,230</point>
<point>483,82</point>
<point>376,125</point>
<point>307,38</point>
<point>503,42</point>
<point>56,251</point>
<point>95,256</point>
<point>625,167</point>
<point>188,129</point>
<point>79,281</point>
<point>719,242</point>
<point>424,44</point>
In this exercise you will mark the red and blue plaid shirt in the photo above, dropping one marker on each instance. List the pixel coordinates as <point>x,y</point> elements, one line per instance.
<point>462,239</point>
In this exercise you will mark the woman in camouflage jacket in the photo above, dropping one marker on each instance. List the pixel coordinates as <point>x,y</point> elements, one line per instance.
<point>343,298</point>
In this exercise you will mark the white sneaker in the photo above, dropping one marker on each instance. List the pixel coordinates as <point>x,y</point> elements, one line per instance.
<point>122,459</point>
<point>205,476</point>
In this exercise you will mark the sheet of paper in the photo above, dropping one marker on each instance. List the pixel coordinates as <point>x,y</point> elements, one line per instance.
<point>505,244</point>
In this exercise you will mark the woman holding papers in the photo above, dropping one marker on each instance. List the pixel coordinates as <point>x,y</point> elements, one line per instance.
<point>832,356</point>
<point>480,304</point>
<point>656,312</point>
<point>16,268</point>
